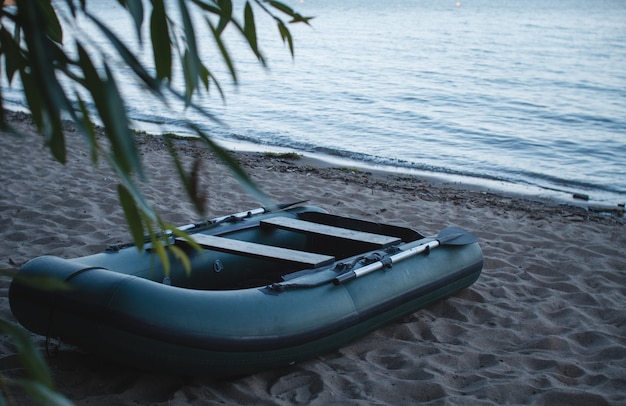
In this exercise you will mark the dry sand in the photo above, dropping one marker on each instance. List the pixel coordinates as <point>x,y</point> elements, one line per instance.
<point>544,324</point>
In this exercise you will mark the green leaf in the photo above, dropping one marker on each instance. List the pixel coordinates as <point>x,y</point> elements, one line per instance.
<point>224,52</point>
<point>240,174</point>
<point>161,43</point>
<point>286,36</point>
<point>13,56</point>
<point>296,18</point>
<point>282,7</point>
<point>130,59</point>
<point>143,206</point>
<point>88,130</point>
<point>190,182</point>
<point>197,107</point>
<point>44,394</point>
<point>33,97</point>
<point>182,257</point>
<point>45,95</point>
<point>190,73</point>
<point>110,106</point>
<point>49,283</point>
<point>178,164</point>
<point>29,355</point>
<point>46,115</point>
<point>72,7</point>
<point>157,246</point>
<point>207,7</point>
<point>113,114</point>
<point>133,218</point>
<point>180,233</point>
<point>204,75</point>
<point>226,15</point>
<point>53,27</point>
<point>249,30</point>
<point>135,8</point>
<point>190,36</point>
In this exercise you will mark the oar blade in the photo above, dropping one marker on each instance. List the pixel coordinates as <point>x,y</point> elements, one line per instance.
<point>284,206</point>
<point>455,236</point>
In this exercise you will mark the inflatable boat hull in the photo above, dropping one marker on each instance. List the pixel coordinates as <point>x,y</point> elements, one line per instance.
<point>121,305</point>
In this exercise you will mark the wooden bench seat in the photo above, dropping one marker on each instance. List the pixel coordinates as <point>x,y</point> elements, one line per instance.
<point>308,227</point>
<point>255,250</point>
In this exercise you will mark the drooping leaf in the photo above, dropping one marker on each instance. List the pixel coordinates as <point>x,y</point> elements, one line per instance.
<point>180,233</point>
<point>115,121</point>
<point>145,209</point>
<point>33,97</point>
<point>182,257</point>
<point>191,57</point>
<point>46,115</point>
<point>13,56</point>
<point>281,6</point>
<point>224,52</point>
<point>161,43</point>
<point>190,73</point>
<point>177,163</point>
<point>111,109</point>
<point>87,129</point>
<point>296,18</point>
<point>205,76</point>
<point>200,109</point>
<point>29,355</point>
<point>135,8</point>
<point>43,394</point>
<point>286,36</point>
<point>226,15</point>
<point>130,59</point>
<point>72,7</point>
<point>52,25</point>
<point>157,246</point>
<point>190,181</point>
<point>249,31</point>
<point>43,282</point>
<point>4,125</point>
<point>203,5</point>
<point>54,136</point>
<point>240,174</point>
<point>45,93</point>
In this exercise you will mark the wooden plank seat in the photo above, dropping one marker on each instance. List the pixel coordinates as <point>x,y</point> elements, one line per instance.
<point>308,227</point>
<point>255,250</point>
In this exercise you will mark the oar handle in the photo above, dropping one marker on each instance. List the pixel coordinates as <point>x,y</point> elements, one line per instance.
<point>243,214</point>
<point>386,262</point>
<point>218,220</point>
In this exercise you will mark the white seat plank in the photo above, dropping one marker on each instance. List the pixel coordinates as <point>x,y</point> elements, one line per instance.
<point>251,249</point>
<point>308,227</point>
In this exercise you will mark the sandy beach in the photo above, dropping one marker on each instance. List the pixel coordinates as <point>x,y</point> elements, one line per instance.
<point>545,324</point>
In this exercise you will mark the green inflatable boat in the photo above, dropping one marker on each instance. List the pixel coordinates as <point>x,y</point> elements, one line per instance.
<point>268,288</point>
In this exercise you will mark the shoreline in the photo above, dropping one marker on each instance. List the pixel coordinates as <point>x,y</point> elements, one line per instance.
<point>505,188</point>
<point>466,182</point>
<point>443,184</point>
<point>542,325</point>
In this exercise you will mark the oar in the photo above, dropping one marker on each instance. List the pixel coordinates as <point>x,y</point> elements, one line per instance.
<point>447,236</point>
<point>209,223</point>
<point>243,214</point>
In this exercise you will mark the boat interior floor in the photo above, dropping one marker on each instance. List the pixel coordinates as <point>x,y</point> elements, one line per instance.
<point>312,242</point>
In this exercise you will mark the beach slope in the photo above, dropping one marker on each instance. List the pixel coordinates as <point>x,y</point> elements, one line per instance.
<point>544,324</point>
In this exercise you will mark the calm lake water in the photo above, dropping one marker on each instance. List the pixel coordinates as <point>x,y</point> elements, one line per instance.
<point>528,94</point>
